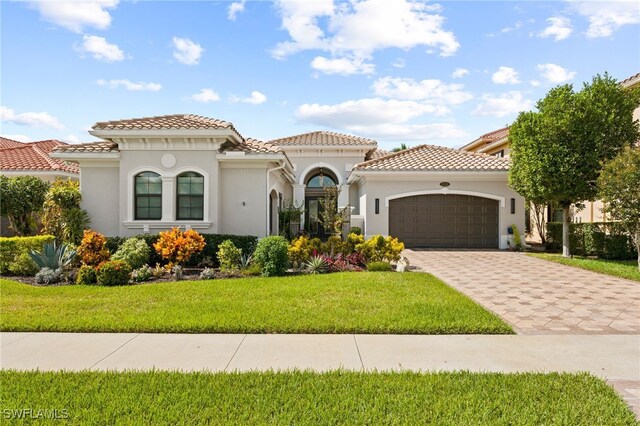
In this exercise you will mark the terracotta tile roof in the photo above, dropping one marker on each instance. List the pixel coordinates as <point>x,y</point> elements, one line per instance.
<point>174,121</point>
<point>102,146</point>
<point>34,156</point>
<point>323,138</point>
<point>251,146</point>
<point>487,139</point>
<point>376,153</point>
<point>631,81</point>
<point>9,143</point>
<point>435,158</point>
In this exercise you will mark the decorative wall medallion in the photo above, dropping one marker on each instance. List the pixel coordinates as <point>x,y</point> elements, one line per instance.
<point>168,161</point>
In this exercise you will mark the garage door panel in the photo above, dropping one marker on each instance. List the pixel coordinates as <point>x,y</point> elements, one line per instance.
<point>445,221</point>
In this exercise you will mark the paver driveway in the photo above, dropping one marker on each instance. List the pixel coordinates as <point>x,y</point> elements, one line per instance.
<point>537,296</point>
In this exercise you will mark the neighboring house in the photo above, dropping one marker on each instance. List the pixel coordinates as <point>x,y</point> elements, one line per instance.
<point>150,174</point>
<point>492,143</point>
<point>32,159</point>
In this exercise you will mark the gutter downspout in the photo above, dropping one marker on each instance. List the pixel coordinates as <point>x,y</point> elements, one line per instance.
<point>267,205</point>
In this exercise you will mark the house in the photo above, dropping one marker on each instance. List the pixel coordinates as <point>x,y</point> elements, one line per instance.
<point>32,159</point>
<point>492,143</point>
<point>152,173</point>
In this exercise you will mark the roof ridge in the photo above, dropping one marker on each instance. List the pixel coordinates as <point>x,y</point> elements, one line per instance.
<point>54,165</point>
<point>327,132</point>
<point>393,154</point>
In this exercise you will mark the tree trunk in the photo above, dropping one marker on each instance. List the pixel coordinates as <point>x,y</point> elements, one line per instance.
<point>566,220</point>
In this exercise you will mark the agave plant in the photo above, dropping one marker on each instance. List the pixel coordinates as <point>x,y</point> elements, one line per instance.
<point>245,261</point>
<point>53,256</point>
<point>316,265</point>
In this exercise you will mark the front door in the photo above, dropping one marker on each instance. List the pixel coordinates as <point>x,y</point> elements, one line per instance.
<point>313,223</point>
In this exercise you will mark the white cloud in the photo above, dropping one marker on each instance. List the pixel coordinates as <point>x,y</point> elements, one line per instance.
<point>555,73</point>
<point>429,91</point>
<point>71,139</point>
<point>130,85</point>
<point>30,119</point>
<point>559,28</point>
<point>502,105</point>
<point>357,29</point>
<point>99,48</point>
<point>505,75</point>
<point>460,72</point>
<point>76,15</point>
<point>206,96</point>
<point>506,30</point>
<point>19,138</point>
<point>234,9</point>
<point>410,132</point>
<point>534,83</point>
<point>342,66</point>
<point>186,51</point>
<point>256,98</point>
<point>607,17</point>
<point>399,63</point>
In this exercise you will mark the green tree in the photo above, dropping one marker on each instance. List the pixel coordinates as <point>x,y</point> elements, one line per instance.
<point>63,216</point>
<point>557,152</point>
<point>402,147</point>
<point>21,201</point>
<point>619,185</point>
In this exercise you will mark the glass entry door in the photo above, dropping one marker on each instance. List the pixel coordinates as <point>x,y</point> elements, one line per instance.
<point>313,208</point>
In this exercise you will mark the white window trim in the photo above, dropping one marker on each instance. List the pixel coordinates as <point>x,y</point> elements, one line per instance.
<point>446,191</point>
<point>172,200</point>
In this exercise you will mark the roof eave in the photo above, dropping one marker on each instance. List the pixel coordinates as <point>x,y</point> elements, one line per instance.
<point>77,156</point>
<point>163,133</point>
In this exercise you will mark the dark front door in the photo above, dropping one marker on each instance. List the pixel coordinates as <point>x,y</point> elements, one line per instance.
<point>451,220</point>
<point>313,224</point>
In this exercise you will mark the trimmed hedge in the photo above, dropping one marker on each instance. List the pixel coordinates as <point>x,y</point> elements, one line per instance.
<point>209,255</point>
<point>15,248</point>
<point>607,240</point>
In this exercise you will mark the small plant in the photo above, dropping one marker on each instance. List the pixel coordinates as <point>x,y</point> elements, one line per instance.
<point>53,256</point>
<point>379,266</point>
<point>316,265</point>
<point>113,272</point>
<point>93,250</point>
<point>23,265</point>
<point>246,260</point>
<point>271,255</point>
<point>177,272</point>
<point>229,256</point>
<point>517,239</point>
<point>352,241</point>
<point>48,276</point>
<point>134,251</point>
<point>142,274</point>
<point>207,274</point>
<point>299,251</point>
<point>86,275</point>
<point>158,271</point>
<point>252,270</point>
<point>379,248</point>
<point>355,230</point>
<point>177,247</point>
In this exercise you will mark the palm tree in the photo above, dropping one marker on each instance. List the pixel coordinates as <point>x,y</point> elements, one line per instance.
<point>402,147</point>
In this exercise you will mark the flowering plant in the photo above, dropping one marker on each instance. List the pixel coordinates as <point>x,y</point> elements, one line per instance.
<point>177,246</point>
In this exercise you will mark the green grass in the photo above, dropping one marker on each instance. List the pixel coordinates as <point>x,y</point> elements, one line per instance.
<point>364,302</point>
<point>618,268</point>
<point>302,398</point>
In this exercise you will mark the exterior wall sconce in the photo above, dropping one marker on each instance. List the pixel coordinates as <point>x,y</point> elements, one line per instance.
<point>244,203</point>
<point>513,206</point>
<point>377,205</point>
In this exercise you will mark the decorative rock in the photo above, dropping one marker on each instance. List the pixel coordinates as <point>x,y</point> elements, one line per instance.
<point>403,264</point>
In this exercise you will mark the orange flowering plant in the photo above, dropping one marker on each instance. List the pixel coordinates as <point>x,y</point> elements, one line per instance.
<point>177,246</point>
<point>92,250</point>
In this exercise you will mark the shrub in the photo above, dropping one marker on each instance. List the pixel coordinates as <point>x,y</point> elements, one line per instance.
<point>134,251</point>
<point>207,274</point>
<point>379,248</point>
<point>341,262</point>
<point>334,245</point>
<point>22,198</point>
<point>251,270</point>
<point>53,256</point>
<point>86,275</point>
<point>142,274</point>
<point>299,251</point>
<point>607,240</point>
<point>92,249</point>
<point>62,215</point>
<point>229,256</point>
<point>379,266</point>
<point>352,241</point>
<point>113,272</point>
<point>355,230</point>
<point>316,265</point>
<point>315,244</point>
<point>271,255</point>
<point>517,239</point>
<point>48,276</point>
<point>14,252</point>
<point>177,247</point>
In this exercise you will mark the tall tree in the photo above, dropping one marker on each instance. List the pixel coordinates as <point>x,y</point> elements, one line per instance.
<point>619,185</point>
<point>558,151</point>
<point>21,200</point>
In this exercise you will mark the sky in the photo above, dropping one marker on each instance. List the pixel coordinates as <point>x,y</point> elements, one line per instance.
<point>396,71</point>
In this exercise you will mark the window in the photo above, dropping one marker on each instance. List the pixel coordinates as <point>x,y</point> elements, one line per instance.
<point>499,153</point>
<point>148,196</point>
<point>190,196</point>
<point>320,181</point>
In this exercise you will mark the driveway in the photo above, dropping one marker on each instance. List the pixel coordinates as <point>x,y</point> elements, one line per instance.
<point>537,296</point>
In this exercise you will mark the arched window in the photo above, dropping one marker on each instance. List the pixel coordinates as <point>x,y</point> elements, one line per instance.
<point>148,196</point>
<point>190,196</point>
<point>320,181</point>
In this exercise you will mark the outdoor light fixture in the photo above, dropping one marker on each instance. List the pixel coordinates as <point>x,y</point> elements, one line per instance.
<point>377,205</point>
<point>444,184</point>
<point>513,206</point>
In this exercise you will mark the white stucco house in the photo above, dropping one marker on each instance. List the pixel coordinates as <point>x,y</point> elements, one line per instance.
<point>152,173</point>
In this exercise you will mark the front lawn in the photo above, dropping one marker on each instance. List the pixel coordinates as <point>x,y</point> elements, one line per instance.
<point>316,399</point>
<point>618,268</point>
<point>365,302</point>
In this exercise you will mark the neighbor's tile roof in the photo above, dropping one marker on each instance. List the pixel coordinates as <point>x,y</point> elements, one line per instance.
<point>631,81</point>
<point>35,156</point>
<point>252,146</point>
<point>174,121</point>
<point>435,158</point>
<point>323,138</point>
<point>9,143</point>
<point>487,139</point>
<point>377,153</point>
<point>102,146</point>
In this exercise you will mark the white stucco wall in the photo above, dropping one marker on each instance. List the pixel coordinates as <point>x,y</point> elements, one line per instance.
<point>100,187</point>
<point>243,199</point>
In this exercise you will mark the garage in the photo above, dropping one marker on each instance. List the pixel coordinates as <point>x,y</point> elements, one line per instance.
<point>444,221</point>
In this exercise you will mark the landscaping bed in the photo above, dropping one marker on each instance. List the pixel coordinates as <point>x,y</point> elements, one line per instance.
<point>363,302</point>
<point>627,269</point>
<point>459,398</point>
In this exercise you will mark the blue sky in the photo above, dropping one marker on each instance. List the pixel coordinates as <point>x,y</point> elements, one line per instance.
<point>415,72</point>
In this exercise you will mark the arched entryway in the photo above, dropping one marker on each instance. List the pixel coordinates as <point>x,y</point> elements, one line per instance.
<point>274,203</point>
<point>315,183</point>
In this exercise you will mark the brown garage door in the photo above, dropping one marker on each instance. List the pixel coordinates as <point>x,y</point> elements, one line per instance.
<point>460,221</point>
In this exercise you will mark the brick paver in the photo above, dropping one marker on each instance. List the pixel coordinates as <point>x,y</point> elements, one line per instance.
<point>537,296</point>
